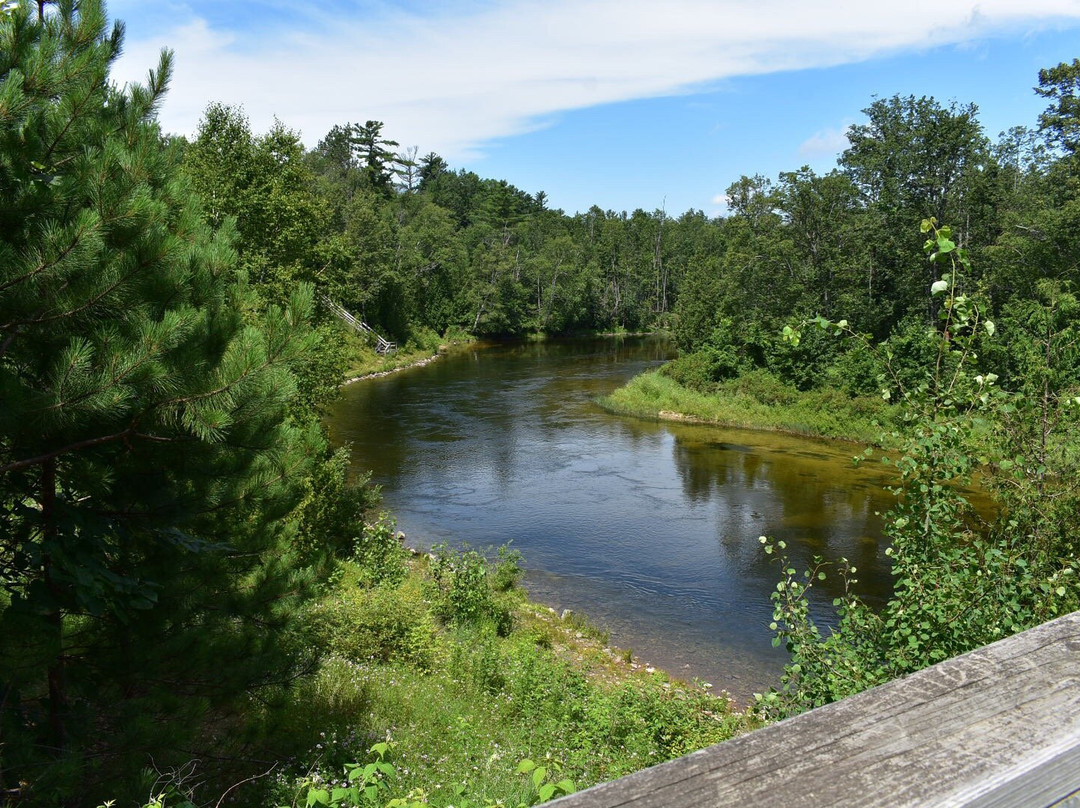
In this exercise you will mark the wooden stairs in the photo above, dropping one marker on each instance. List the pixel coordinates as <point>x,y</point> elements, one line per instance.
<point>382,346</point>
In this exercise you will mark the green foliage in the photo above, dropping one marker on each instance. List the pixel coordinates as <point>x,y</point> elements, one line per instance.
<point>168,507</point>
<point>543,780</point>
<point>958,582</point>
<point>380,553</point>
<point>372,784</point>
<point>386,623</point>
<point>718,359</point>
<point>319,712</point>
<point>458,727</point>
<point>263,185</point>
<point>507,571</point>
<point>333,513</point>
<point>155,454</point>
<point>755,400</point>
<point>856,372</point>
<point>1061,121</point>
<point>464,586</point>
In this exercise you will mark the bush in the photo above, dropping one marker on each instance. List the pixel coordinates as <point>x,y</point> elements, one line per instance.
<point>476,659</point>
<point>696,371</point>
<point>380,554</point>
<point>801,364</point>
<point>959,582</point>
<point>386,623</point>
<point>857,373</point>
<point>507,572</point>
<point>333,511</point>
<point>763,387</point>
<point>721,357</point>
<point>423,339</point>
<point>463,587</point>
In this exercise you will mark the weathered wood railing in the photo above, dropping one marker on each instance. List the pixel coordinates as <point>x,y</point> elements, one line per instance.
<point>382,346</point>
<point>996,727</point>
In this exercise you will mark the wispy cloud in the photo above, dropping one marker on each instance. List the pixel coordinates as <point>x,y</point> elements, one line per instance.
<point>826,143</point>
<point>458,81</point>
<point>720,204</point>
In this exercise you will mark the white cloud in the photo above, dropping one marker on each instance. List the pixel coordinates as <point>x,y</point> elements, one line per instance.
<point>720,204</point>
<point>826,143</point>
<point>455,83</point>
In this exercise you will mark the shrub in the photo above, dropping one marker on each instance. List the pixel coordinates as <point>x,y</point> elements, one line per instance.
<point>380,554</point>
<point>959,582</point>
<point>857,373</point>
<point>387,623</point>
<point>507,572</point>
<point>763,387</point>
<point>462,587</point>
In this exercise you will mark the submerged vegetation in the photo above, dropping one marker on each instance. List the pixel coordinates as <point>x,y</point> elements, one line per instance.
<point>195,597</point>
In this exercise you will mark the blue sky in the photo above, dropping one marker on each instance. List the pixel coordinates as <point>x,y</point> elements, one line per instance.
<point>619,103</point>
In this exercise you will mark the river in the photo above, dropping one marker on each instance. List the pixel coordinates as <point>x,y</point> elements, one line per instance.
<point>650,529</point>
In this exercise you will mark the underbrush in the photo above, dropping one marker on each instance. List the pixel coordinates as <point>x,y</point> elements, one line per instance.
<point>448,687</point>
<point>754,400</point>
<point>361,359</point>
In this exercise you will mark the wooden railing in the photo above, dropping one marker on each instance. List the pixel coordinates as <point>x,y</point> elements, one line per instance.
<point>382,346</point>
<point>996,727</point>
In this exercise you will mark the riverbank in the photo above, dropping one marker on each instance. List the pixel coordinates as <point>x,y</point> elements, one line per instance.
<point>754,401</point>
<point>444,658</point>
<point>396,363</point>
<point>364,363</point>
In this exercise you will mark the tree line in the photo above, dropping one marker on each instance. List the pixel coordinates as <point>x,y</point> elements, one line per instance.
<point>413,246</point>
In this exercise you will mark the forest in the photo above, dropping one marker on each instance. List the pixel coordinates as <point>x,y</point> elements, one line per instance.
<point>196,597</point>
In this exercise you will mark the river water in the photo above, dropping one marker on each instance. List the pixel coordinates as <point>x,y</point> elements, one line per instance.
<point>650,529</point>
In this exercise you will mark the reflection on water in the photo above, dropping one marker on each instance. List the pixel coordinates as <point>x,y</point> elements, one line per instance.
<point>649,528</point>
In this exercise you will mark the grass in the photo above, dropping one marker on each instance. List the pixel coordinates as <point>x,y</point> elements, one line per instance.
<point>361,359</point>
<point>754,401</point>
<point>471,699</point>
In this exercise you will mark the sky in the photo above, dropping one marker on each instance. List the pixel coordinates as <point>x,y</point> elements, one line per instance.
<point>617,103</point>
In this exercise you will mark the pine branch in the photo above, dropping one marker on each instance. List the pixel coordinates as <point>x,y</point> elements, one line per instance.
<point>72,447</point>
<point>45,265</point>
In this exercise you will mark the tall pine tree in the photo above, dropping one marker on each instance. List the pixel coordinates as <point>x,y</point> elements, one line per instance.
<point>151,468</point>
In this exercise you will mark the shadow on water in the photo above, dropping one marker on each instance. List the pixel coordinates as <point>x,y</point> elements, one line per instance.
<point>651,529</point>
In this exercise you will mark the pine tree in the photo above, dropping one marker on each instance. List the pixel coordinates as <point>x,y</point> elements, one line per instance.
<point>376,156</point>
<point>151,466</point>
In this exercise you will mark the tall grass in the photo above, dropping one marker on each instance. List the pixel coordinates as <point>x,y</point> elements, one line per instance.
<point>754,400</point>
<point>464,692</point>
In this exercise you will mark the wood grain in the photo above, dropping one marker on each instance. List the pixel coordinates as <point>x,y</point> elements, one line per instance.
<point>999,726</point>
